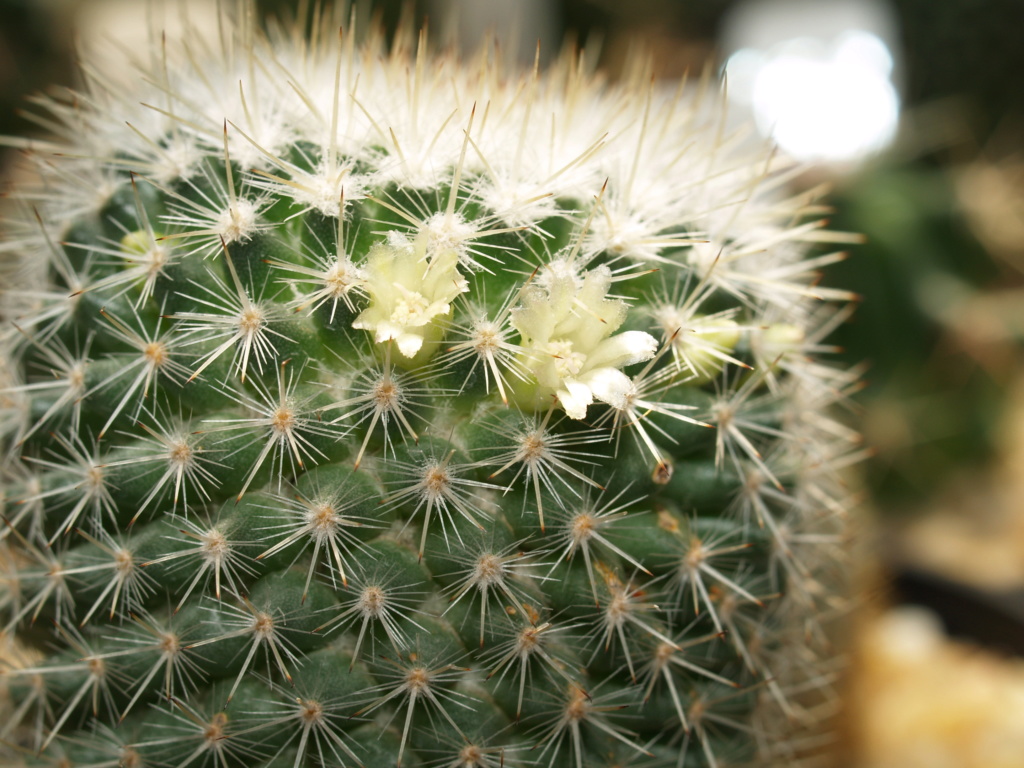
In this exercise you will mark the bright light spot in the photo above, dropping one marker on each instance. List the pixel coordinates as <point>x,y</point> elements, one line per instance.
<point>862,49</point>
<point>742,69</point>
<point>817,80</point>
<point>838,108</point>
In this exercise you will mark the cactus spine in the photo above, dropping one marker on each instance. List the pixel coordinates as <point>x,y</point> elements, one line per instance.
<point>365,406</point>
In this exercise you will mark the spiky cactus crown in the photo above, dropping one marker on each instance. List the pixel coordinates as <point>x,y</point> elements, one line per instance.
<point>365,406</point>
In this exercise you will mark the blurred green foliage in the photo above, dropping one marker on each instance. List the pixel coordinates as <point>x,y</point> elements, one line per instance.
<point>929,408</point>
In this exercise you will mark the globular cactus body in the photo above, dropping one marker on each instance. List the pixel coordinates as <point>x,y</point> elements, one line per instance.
<point>365,406</point>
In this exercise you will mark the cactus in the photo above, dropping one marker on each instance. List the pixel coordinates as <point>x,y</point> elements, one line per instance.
<point>368,407</point>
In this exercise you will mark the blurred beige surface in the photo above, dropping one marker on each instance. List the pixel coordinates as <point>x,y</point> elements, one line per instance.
<point>921,701</point>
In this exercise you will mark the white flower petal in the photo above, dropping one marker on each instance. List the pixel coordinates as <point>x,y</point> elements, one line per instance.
<point>575,398</point>
<point>623,349</point>
<point>409,343</point>
<point>609,385</point>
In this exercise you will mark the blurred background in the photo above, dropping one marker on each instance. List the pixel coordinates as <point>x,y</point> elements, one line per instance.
<point>913,111</point>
